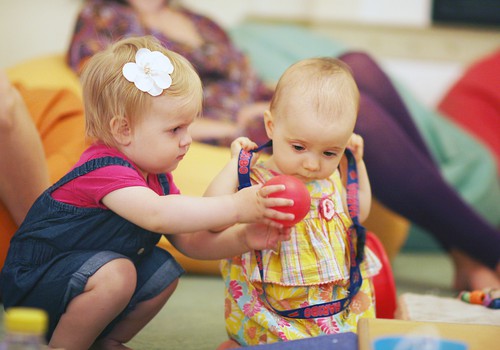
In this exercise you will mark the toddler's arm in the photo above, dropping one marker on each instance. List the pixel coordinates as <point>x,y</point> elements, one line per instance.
<point>233,241</point>
<point>226,181</point>
<point>183,214</point>
<point>356,145</point>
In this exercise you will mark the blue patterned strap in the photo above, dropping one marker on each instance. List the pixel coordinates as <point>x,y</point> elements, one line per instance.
<point>244,162</point>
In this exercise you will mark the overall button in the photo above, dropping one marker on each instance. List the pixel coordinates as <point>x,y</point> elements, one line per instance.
<point>140,251</point>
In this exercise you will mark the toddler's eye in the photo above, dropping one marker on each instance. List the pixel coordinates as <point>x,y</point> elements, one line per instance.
<point>330,154</point>
<point>298,147</point>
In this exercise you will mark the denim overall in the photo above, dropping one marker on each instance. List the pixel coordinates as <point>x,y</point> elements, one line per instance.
<point>59,247</point>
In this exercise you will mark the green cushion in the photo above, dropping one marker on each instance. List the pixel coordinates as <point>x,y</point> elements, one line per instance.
<point>272,48</point>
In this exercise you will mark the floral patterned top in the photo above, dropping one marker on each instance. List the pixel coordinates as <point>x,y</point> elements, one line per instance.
<point>229,81</point>
<point>310,269</point>
<point>318,250</point>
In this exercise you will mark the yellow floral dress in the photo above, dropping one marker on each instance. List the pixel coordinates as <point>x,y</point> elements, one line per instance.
<point>311,268</point>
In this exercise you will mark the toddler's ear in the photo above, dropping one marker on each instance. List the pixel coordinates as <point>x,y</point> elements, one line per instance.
<point>269,123</point>
<point>120,129</point>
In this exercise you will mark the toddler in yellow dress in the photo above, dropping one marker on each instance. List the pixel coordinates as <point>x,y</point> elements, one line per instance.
<point>310,122</point>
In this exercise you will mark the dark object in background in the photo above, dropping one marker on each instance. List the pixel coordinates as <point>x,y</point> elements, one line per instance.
<point>471,12</point>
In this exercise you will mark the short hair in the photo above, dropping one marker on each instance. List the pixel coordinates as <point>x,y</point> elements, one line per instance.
<point>107,94</point>
<point>327,82</point>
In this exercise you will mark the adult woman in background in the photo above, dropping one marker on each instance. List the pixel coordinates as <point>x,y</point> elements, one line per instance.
<point>404,175</point>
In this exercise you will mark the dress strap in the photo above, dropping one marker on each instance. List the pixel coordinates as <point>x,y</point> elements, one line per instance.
<point>353,204</point>
<point>356,255</point>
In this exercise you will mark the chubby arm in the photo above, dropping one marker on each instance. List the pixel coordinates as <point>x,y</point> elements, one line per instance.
<point>226,181</point>
<point>184,214</point>
<point>356,145</point>
<point>233,241</point>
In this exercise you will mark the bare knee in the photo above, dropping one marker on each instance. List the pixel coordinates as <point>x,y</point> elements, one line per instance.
<point>115,279</point>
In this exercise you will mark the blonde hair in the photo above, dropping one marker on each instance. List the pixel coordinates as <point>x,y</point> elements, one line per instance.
<point>107,94</point>
<point>327,83</point>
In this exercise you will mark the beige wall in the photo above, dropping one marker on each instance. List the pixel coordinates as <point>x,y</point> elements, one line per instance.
<point>36,27</point>
<point>29,28</point>
<point>414,12</point>
<point>399,36</point>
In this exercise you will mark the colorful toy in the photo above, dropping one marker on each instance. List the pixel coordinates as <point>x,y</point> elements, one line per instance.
<point>296,190</point>
<point>487,297</point>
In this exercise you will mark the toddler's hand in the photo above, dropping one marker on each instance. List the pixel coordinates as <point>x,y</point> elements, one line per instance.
<point>259,236</point>
<point>356,144</point>
<point>241,143</point>
<point>253,205</point>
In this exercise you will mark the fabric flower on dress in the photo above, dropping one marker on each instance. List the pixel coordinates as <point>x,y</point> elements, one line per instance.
<point>150,72</point>
<point>327,208</point>
<point>360,303</point>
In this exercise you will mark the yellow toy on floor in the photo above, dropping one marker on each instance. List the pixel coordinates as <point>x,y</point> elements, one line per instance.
<point>63,138</point>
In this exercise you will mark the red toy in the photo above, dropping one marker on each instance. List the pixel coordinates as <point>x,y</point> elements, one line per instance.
<point>296,190</point>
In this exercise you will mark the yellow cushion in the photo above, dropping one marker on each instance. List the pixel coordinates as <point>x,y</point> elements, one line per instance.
<point>47,72</point>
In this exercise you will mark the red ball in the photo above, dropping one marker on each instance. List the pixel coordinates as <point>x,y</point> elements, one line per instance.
<point>295,190</point>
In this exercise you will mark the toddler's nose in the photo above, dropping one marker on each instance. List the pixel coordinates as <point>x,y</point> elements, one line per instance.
<point>311,163</point>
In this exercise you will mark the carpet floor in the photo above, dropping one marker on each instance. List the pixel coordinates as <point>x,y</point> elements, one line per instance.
<point>194,316</point>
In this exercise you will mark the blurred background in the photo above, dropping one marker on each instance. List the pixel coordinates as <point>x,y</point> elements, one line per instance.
<point>415,39</point>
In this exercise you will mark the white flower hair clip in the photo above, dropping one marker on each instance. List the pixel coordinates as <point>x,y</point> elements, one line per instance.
<point>150,72</point>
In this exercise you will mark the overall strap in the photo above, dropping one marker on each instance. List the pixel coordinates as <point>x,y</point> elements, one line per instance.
<point>165,185</point>
<point>355,279</point>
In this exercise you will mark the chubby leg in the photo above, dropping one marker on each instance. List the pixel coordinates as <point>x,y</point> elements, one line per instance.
<point>106,294</point>
<point>22,159</point>
<point>124,331</point>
